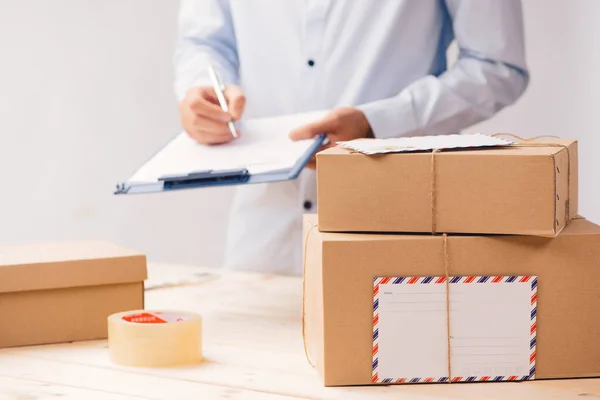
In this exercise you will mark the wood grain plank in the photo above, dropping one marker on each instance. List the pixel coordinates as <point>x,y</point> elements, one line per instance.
<point>162,383</point>
<point>207,373</point>
<point>24,389</point>
<point>121,382</point>
<point>586,388</point>
<point>305,387</point>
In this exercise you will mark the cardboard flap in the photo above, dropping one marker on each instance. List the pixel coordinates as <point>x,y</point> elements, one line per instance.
<point>312,295</point>
<point>65,265</point>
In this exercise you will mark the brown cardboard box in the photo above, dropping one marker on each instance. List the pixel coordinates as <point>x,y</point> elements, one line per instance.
<point>519,190</point>
<point>51,293</point>
<point>339,291</point>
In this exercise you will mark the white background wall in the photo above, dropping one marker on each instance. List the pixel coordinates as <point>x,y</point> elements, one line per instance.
<point>85,97</point>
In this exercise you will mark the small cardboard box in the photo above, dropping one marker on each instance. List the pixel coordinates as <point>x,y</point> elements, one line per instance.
<point>514,190</point>
<point>343,321</point>
<point>62,292</point>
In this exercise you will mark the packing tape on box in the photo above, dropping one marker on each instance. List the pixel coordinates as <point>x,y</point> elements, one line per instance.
<point>144,338</point>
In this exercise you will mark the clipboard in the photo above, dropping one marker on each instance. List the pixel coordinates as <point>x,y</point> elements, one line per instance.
<point>263,154</point>
<point>213,178</point>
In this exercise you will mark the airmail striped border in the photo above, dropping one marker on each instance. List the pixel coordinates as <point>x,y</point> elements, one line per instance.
<point>424,280</point>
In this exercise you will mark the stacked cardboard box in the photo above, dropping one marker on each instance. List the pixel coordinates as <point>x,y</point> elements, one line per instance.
<point>514,190</point>
<point>388,302</point>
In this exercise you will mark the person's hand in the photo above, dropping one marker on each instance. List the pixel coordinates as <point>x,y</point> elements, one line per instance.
<point>341,124</point>
<point>202,117</point>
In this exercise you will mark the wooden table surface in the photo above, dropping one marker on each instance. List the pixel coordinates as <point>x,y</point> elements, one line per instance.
<point>253,349</point>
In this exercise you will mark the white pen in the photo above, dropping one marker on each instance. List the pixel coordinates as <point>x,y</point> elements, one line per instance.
<point>221,97</point>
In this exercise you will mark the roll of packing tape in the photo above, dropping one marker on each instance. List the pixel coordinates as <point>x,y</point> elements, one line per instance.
<point>144,338</point>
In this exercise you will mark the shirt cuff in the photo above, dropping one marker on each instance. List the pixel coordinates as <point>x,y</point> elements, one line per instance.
<point>393,117</point>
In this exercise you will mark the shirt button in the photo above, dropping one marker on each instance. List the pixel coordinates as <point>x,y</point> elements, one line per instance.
<point>307,205</point>
<point>311,63</point>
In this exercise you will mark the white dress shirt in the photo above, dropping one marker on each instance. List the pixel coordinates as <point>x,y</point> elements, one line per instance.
<point>385,57</point>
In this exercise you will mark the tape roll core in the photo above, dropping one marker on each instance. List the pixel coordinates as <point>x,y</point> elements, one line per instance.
<point>145,338</point>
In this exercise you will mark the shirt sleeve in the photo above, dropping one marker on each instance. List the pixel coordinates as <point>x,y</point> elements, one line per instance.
<point>490,74</point>
<point>205,37</point>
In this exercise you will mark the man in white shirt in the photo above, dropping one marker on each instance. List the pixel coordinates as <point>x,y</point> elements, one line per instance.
<point>379,66</point>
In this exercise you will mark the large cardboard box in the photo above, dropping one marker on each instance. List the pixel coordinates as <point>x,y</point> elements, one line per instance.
<point>514,190</point>
<point>341,316</point>
<point>61,292</point>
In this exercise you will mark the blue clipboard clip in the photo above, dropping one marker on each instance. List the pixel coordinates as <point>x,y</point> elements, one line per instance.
<point>206,178</point>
